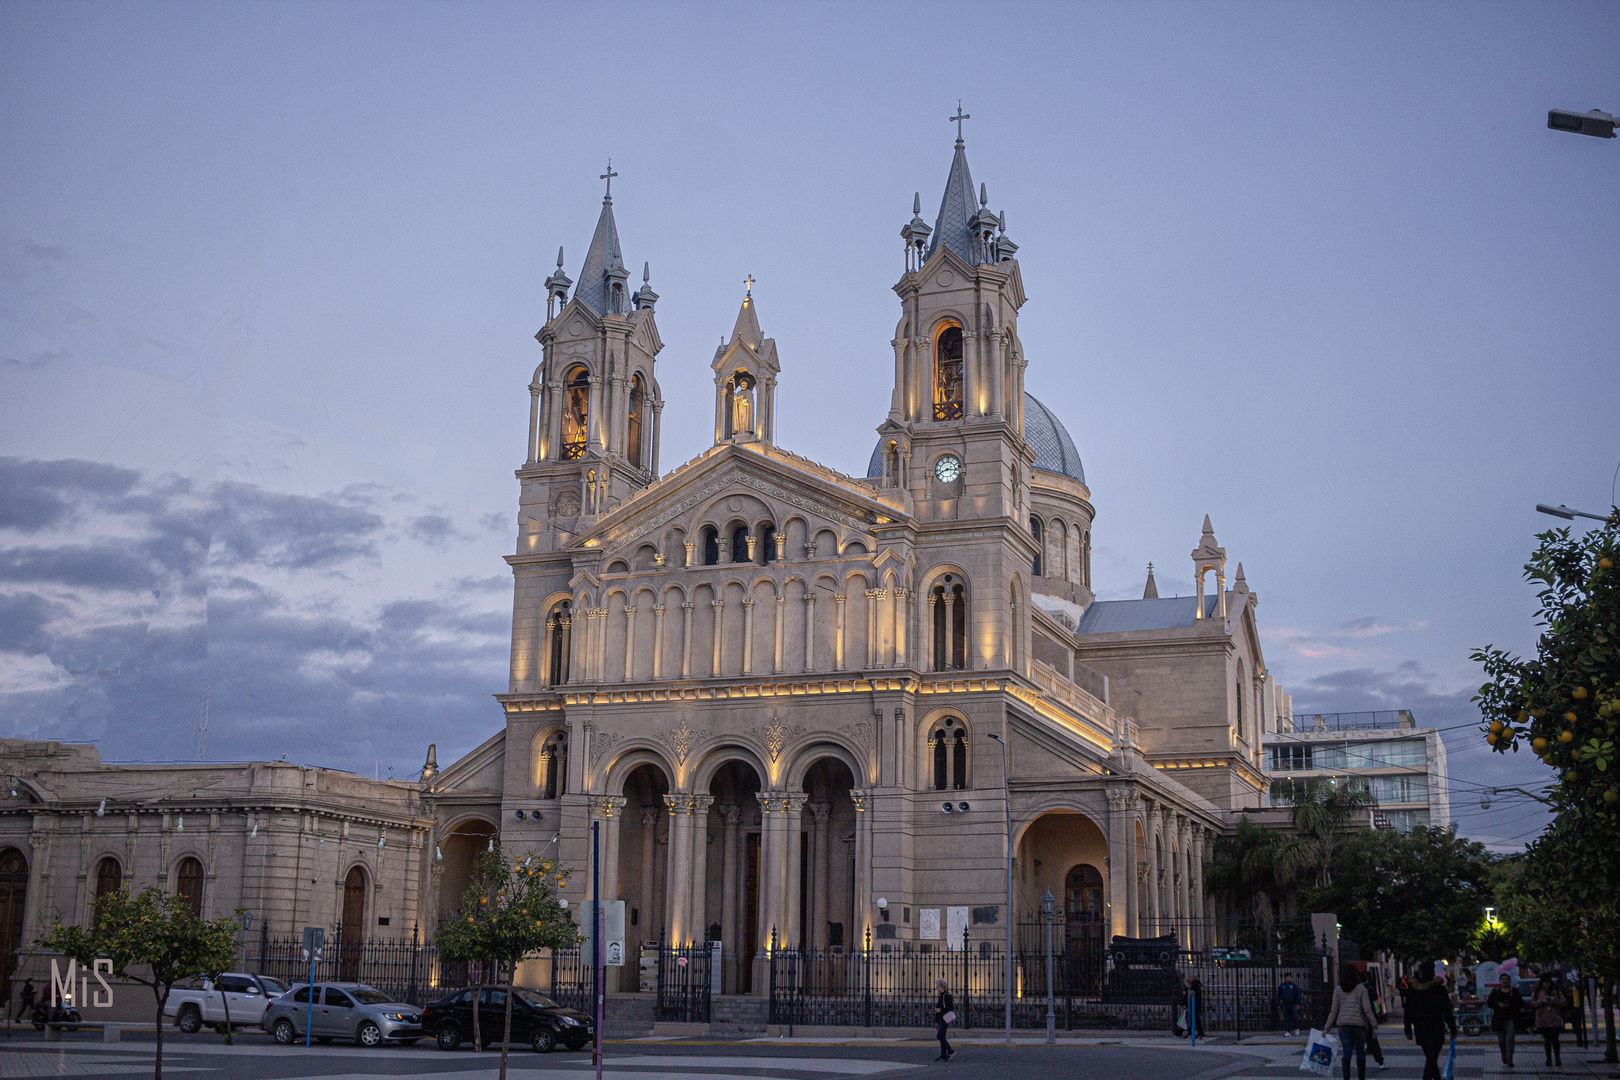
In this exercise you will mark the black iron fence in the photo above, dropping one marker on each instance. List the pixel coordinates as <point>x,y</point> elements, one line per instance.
<point>1131,983</point>
<point>685,984</point>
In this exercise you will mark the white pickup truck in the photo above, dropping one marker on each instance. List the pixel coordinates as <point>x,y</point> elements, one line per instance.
<point>203,1001</point>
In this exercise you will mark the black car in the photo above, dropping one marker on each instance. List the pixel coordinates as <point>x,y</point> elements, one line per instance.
<point>536,1020</point>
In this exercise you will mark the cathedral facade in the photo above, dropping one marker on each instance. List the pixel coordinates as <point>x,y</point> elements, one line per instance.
<point>804,705</point>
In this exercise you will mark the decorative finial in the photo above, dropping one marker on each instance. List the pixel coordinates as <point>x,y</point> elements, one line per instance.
<point>608,176</point>
<point>748,283</point>
<point>916,203</point>
<point>1003,223</point>
<point>983,196</point>
<point>559,256</point>
<point>646,272</point>
<point>959,117</point>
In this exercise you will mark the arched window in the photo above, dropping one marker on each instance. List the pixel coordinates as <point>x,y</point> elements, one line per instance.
<point>739,544</point>
<point>109,879</point>
<point>711,545</point>
<point>765,543</point>
<point>1083,896</point>
<point>13,900</point>
<point>948,375</point>
<point>949,606</point>
<point>559,626</point>
<point>638,397</point>
<point>576,412</point>
<point>947,745</point>
<point>189,884</point>
<point>1242,729</point>
<point>1040,543</point>
<point>554,765</point>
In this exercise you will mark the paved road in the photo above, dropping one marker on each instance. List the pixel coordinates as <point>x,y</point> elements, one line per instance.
<point>204,1058</point>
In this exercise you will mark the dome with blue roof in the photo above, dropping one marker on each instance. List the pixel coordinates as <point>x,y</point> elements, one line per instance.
<point>1046,435</point>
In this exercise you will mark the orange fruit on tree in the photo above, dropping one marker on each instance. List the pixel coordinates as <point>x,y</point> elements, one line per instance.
<point>1579,693</point>
<point>1566,736</point>
<point>1539,745</point>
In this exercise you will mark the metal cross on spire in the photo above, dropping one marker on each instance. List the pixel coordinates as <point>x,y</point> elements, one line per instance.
<point>959,117</point>
<point>748,284</point>
<point>610,174</point>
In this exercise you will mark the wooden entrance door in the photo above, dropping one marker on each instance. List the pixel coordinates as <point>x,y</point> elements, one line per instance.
<point>353,928</point>
<point>13,898</point>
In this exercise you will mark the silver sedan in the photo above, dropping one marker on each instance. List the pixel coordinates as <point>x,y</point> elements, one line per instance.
<point>349,1011</point>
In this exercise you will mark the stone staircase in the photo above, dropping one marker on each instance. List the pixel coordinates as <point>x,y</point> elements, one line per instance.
<point>738,1017</point>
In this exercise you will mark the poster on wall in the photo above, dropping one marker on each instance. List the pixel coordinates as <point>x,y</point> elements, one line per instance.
<point>956,922</point>
<point>928,923</point>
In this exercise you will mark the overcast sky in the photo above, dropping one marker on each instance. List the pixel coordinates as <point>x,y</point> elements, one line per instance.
<point>271,275</point>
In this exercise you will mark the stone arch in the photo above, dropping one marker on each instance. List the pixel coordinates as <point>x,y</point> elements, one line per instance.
<point>188,879</point>
<point>800,757</point>
<point>797,527</point>
<point>13,907</point>
<point>826,543</point>
<point>726,898</point>
<point>459,844</point>
<point>947,596</point>
<point>1048,844</point>
<point>826,915</point>
<point>629,757</point>
<point>642,868</point>
<point>945,740</point>
<point>548,761</point>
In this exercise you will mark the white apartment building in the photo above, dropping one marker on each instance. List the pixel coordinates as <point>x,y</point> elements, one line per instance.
<point>1404,764</point>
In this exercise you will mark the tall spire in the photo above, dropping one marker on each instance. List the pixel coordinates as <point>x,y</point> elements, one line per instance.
<point>1151,591</point>
<point>747,326</point>
<point>957,208</point>
<point>604,257</point>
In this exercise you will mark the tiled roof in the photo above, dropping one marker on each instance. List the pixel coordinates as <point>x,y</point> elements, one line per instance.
<point>1165,613</point>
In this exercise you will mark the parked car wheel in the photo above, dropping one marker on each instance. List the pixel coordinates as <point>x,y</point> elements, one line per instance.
<point>368,1034</point>
<point>544,1040</point>
<point>448,1037</point>
<point>190,1020</point>
<point>283,1032</point>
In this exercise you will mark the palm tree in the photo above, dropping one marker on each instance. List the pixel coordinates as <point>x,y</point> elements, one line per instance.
<point>1254,865</point>
<point>1326,809</point>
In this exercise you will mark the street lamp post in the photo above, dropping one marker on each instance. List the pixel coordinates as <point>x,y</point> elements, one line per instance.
<point>1006,802</point>
<point>1047,903</point>
<point>1566,513</point>
<point>1596,123</point>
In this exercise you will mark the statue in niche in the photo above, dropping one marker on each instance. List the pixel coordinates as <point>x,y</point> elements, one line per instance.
<point>741,393</point>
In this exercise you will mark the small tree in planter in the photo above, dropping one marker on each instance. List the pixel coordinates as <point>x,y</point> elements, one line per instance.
<point>509,910</point>
<point>154,930</point>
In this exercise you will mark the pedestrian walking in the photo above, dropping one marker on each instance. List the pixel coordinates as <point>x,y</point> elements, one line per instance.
<point>1373,1048</point>
<point>1195,1005</point>
<point>944,1016</point>
<point>1505,1003</point>
<point>1352,1013</point>
<point>1429,1017</point>
<point>1548,1001</point>
<point>1575,1013</point>
<point>27,999</point>
<point>1288,998</point>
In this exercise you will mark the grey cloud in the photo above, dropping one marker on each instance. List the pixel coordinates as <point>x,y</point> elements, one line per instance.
<point>23,617</point>
<point>434,530</point>
<point>38,494</point>
<point>493,583</point>
<point>493,522</point>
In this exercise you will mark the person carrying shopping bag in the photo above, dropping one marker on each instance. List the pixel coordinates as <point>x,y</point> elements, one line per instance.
<point>1352,1012</point>
<point>1505,1003</point>
<point>944,1016</point>
<point>1548,1001</point>
<point>1429,1017</point>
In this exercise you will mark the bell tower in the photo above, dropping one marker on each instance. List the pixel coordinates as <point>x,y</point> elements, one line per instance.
<point>953,441</point>
<point>594,401</point>
<point>745,371</point>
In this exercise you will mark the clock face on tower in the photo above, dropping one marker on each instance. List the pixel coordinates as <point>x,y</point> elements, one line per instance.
<point>948,468</point>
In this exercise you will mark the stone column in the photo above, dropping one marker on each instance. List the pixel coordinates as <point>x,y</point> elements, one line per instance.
<point>772,857</point>
<point>551,443</point>
<point>863,865</point>
<point>970,370</point>
<point>873,598</point>
<point>809,628</point>
<point>897,612</point>
<point>679,882</point>
<point>629,641</point>
<point>599,664</point>
<point>899,377</point>
<point>1153,913</point>
<point>593,409</point>
<point>719,632</point>
<point>950,633</point>
<point>700,867</point>
<point>776,654</point>
<point>647,874</point>
<point>658,642</point>
<point>534,420</point>
<point>998,375</point>
<point>657,424</point>
<point>686,639</point>
<point>820,874</point>
<point>1119,860</point>
<point>748,636</point>
<point>730,925</point>
<point>606,809</point>
<point>793,883</point>
<point>838,632</point>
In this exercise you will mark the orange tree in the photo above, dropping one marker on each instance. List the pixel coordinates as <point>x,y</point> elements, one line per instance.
<point>152,938</point>
<point>1562,703</point>
<point>510,909</point>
